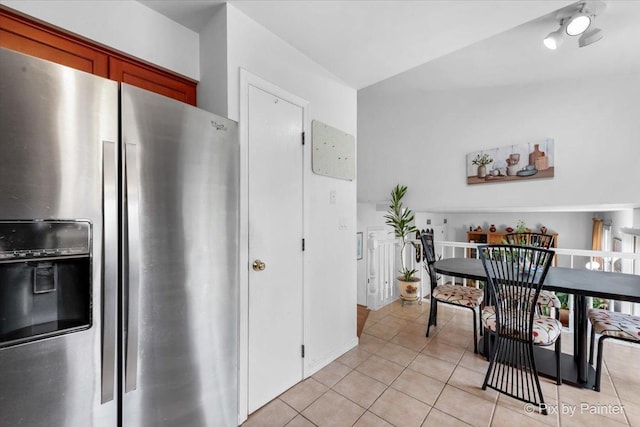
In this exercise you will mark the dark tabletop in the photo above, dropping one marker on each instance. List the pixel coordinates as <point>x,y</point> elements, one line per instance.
<point>600,284</point>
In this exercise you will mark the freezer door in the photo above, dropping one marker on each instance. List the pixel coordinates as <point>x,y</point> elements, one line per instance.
<point>55,123</point>
<point>180,274</point>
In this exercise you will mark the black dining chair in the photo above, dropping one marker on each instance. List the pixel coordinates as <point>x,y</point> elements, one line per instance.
<point>515,275</point>
<point>624,327</point>
<point>537,240</point>
<point>546,299</point>
<point>461,296</point>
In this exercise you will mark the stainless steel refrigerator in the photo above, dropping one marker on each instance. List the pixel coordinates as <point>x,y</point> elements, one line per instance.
<point>118,254</point>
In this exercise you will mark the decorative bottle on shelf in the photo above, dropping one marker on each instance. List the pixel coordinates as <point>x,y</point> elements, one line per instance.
<point>492,228</point>
<point>536,153</point>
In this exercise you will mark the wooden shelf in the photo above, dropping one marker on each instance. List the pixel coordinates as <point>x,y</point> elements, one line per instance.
<point>547,173</point>
<point>490,237</point>
<point>496,238</point>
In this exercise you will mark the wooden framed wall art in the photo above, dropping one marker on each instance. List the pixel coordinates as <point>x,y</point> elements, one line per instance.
<point>531,160</point>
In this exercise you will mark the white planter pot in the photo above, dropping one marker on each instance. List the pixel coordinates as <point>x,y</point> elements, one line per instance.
<point>409,290</point>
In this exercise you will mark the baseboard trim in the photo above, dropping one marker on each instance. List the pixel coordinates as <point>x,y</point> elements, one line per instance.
<point>329,357</point>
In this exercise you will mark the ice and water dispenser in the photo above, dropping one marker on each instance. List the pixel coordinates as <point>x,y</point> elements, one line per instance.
<point>45,279</point>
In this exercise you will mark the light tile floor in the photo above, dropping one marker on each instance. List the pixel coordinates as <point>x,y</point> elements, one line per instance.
<point>398,377</point>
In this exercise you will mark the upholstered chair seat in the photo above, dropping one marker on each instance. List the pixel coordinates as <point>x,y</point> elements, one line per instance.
<point>609,324</point>
<point>459,295</point>
<point>545,331</point>
<point>615,325</point>
<point>549,299</point>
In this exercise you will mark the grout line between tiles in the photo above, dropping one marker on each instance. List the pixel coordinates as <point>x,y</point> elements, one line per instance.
<point>451,320</point>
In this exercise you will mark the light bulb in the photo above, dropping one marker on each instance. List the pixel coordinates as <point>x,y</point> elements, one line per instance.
<point>554,39</point>
<point>578,24</point>
<point>550,42</point>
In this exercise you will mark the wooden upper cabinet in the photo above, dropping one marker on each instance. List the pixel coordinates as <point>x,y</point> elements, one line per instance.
<point>151,80</point>
<point>25,35</point>
<point>32,39</point>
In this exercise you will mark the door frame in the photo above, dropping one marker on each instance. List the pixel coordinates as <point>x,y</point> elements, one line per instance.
<point>248,79</point>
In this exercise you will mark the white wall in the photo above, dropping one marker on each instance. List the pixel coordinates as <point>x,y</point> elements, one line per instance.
<point>573,228</point>
<point>127,26</point>
<point>213,88</point>
<point>625,218</point>
<point>622,218</point>
<point>330,256</point>
<point>330,262</point>
<point>421,139</point>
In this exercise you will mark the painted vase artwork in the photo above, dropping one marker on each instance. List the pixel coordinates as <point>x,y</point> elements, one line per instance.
<point>512,163</point>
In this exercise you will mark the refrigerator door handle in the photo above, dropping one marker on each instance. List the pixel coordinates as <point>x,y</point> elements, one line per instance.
<point>109,268</point>
<point>132,255</point>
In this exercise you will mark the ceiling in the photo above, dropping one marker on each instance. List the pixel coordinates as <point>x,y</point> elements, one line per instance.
<point>434,44</point>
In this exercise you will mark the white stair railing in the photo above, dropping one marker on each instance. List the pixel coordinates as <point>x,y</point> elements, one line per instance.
<point>382,269</point>
<point>572,258</point>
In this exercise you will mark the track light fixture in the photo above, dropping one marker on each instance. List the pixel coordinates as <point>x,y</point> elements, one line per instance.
<point>589,37</point>
<point>555,38</point>
<point>579,23</point>
<point>575,21</point>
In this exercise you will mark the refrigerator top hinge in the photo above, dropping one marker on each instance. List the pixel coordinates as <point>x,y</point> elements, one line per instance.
<point>303,350</point>
<point>303,245</point>
<point>302,138</point>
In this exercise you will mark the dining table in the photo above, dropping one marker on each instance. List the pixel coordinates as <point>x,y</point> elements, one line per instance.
<point>582,283</point>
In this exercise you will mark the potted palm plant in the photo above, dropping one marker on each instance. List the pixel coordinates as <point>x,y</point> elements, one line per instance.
<point>401,220</point>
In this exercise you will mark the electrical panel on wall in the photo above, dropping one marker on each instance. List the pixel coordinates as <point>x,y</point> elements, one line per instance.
<point>334,152</point>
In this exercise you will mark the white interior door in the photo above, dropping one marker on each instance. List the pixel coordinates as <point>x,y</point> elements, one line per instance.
<point>275,157</point>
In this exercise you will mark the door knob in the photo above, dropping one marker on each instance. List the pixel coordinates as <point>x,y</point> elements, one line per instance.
<point>259,265</point>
